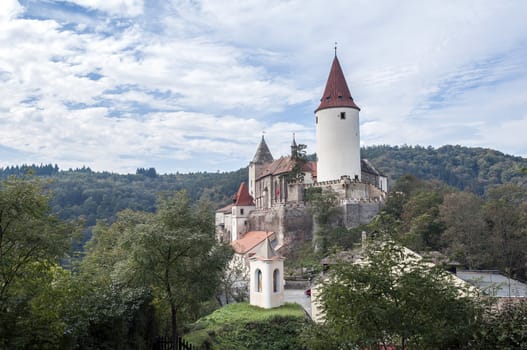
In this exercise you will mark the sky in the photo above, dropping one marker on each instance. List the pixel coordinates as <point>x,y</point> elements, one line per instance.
<point>192,85</point>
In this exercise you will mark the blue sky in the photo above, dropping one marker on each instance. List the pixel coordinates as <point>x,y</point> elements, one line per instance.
<point>191,85</point>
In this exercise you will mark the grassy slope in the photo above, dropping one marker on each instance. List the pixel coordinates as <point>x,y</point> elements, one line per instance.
<point>243,326</point>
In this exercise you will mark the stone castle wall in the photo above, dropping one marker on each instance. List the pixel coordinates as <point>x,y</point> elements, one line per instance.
<point>293,223</point>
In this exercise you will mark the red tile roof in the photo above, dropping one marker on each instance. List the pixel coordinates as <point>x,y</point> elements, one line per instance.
<point>243,198</point>
<point>336,93</point>
<point>249,241</point>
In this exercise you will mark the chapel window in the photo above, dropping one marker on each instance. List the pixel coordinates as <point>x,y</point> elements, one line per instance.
<point>276,281</point>
<point>258,280</point>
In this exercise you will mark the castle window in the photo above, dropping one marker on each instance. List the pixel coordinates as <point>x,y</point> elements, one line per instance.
<point>342,115</point>
<point>316,120</point>
<point>241,211</point>
<point>276,281</point>
<point>258,281</point>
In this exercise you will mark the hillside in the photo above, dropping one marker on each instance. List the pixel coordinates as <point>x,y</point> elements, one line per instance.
<point>471,169</point>
<point>100,195</point>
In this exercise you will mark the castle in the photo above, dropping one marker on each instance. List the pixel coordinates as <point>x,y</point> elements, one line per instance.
<point>273,202</point>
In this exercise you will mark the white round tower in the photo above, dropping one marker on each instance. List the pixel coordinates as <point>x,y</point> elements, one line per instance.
<point>337,125</point>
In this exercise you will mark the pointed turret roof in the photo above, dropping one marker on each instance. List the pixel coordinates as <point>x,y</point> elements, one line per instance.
<point>263,155</point>
<point>242,197</point>
<point>336,93</point>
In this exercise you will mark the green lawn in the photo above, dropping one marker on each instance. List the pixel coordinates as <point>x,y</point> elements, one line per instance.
<point>243,326</point>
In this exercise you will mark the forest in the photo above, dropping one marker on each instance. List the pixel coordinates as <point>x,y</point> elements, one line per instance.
<point>83,193</point>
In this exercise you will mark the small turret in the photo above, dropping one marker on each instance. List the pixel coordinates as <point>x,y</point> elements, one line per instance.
<point>262,157</point>
<point>294,148</point>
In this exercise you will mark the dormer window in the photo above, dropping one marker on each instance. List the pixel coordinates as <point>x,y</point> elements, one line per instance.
<point>342,115</point>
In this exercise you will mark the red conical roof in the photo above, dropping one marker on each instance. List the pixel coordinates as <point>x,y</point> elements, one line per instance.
<point>243,198</point>
<point>336,93</point>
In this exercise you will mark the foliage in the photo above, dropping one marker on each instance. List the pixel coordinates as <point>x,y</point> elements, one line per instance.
<point>323,205</point>
<point>243,326</point>
<point>393,298</point>
<point>32,243</point>
<point>299,156</point>
<point>505,213</point>
<point>465,237</point>
<point>469,169</point>
<point>504,328</point>
<point>171,252</point>
<point>478,232</point>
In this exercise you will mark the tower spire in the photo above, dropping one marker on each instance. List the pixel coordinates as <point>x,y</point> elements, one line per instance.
<point>335,49</point>
<point>336,93</point>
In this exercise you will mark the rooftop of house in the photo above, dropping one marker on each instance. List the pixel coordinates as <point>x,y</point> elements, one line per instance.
<point>494,283</point>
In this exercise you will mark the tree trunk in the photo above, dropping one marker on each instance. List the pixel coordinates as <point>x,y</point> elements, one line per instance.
<point>174,322</point>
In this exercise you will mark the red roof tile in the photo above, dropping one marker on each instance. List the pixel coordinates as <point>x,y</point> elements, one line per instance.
<point>243,198</point>
<point>336,93</point>
<point>249,241</point>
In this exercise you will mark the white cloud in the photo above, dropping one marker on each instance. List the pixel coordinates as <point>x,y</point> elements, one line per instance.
<point>170,80</point>
<point>122,8</point>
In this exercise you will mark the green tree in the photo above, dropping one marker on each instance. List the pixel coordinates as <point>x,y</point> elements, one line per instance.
<point>299,157</point>
<point>506,216</point>
<point>174,251</point>
<point>466,236</point>
<point>504,327</point>
<point>32,243</point>
<point>393,297</point>
<point>323,205</point>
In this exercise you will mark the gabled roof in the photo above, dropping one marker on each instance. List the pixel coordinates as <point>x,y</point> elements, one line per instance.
<point>249,241</point>
<point>262,155</point>
<point>284,165</point>
<point>266,252</point>
<point>242,197</point>
<point>336,93</point>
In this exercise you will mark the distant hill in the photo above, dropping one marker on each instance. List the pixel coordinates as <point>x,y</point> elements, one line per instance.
<point>471,169</point>
<point>83,193</point>
<point>100,195</point>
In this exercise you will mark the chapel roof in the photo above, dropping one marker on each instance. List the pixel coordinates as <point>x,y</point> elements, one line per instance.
<point>262,155</point>
<point>266,251</point>
<point>242,197</point>
<point>250,240</point>
<point>336,93</point>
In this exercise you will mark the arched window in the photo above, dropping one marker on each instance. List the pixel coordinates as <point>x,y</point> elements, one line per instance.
<point>258,280</point>
<point>276,281</point>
